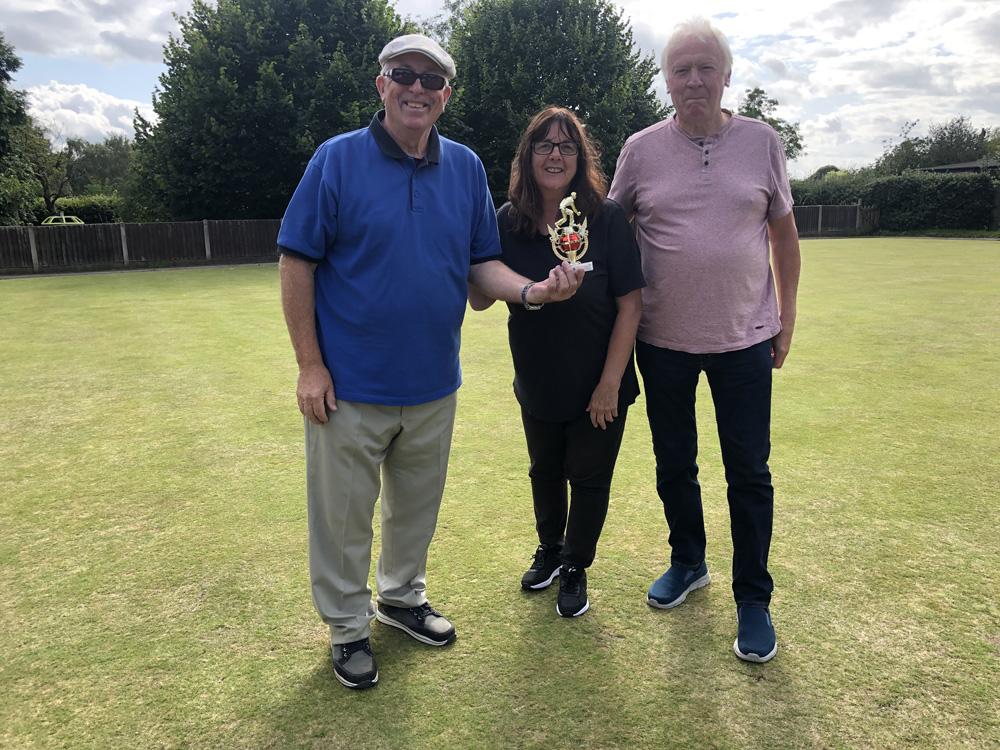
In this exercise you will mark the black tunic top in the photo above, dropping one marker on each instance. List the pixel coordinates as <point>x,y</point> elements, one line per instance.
<point>560,350</point>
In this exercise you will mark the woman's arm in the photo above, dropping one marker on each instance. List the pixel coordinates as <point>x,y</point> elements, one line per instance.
<point>603,406</point>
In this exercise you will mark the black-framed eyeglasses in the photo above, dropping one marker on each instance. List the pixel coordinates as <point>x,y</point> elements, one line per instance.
<point>566,148</point>
<point>430,81</point>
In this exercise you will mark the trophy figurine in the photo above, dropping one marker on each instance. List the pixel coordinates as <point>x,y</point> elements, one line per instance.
<point>570,239</point>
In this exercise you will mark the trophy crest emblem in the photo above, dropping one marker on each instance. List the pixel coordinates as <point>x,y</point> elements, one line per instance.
<point>569,238</point>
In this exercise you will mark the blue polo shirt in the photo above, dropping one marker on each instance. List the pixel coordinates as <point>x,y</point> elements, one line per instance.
<point>393,238</point>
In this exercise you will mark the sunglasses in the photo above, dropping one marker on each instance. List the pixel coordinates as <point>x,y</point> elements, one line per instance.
<point>566,148</point>
<point>430,81</point>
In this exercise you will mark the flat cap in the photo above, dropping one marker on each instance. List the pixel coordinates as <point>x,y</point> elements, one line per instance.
<point>422,44</point>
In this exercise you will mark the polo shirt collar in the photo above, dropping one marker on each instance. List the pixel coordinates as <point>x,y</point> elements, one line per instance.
<point>391,149</point>
<point>705,138</point>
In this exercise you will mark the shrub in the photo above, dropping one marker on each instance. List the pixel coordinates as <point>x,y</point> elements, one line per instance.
<point>92,209</point>
<point>835,188</point>
<point>924,200</point>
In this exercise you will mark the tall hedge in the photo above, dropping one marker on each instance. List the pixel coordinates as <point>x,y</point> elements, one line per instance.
<point>925,200</point>
<point>835,189</point>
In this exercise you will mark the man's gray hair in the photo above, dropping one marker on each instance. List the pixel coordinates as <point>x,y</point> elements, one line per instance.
<point>701,29</point>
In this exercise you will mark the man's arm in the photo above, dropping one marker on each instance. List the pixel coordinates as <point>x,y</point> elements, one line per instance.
<point>786,261</point>
<point>496,280</point>
<point>603,407</point>
<point>298,300</point>
<point>478,300</point>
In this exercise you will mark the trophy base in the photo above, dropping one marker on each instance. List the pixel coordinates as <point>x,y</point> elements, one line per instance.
<point>588,266</point>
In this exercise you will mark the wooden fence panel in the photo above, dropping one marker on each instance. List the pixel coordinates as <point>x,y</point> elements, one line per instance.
<point>15,248</point>
<point>868,221</point>
<point>807,219</point>
<point>833,220</point>
<point>74,246</point>
<point>838,219</point>
<point>81,248</point>
<point>161,242</point>
<point>244,239</point>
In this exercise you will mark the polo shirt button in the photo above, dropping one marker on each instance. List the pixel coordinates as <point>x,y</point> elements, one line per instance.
<point>417,193</point>
<point>701,143</point>
<point>706,152</point>
<point>706,162</point>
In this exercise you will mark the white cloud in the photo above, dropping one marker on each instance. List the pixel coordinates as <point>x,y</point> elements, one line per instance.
<point>79,111</point>
<point>111,31</point>
<point>420,9</point>
<point>850,71</point>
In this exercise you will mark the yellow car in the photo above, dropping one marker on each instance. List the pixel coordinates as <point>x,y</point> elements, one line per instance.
<point>61,221</point>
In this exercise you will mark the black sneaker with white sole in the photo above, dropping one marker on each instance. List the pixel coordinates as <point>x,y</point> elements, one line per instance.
<point>544,567</point>
<point>572,599</point>
<point>424,623</point>
<point>354,664</point>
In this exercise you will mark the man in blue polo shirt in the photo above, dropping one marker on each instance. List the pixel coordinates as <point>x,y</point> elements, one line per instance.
<point>384,231</point>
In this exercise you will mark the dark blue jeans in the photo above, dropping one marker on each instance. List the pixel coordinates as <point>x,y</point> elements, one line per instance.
<point>741,390</point>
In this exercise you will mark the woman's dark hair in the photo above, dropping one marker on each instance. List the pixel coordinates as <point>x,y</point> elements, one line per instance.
<point>589,182</point>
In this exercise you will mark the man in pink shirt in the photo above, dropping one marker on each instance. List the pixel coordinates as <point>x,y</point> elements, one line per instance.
<point>712,208</point>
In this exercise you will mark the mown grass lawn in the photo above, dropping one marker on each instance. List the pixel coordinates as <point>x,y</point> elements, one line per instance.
<point>153,577</point>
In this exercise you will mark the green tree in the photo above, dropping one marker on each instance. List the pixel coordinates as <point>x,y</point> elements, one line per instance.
<point>16,191</point>
<point>99,168</point>
<point>758,105</point>
<point>49,164</point>
<point>822,172</point>
<point>516,56</point>
<point>252,87</point>
<point>993,144</point>
<point>954,142</point>
<point>957,141</point>
<point>12,112</point>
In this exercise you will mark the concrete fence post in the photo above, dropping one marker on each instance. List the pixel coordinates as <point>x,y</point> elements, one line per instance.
<point>819,227</point>
<point>208,242</point>
<point>124,245</point>
<point>34,248</point>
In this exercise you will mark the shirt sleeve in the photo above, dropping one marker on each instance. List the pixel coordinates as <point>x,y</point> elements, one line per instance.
<point>781,198</point>
<point>623,185</point>
<point>309,226</point>
<point>624,259</point>
<point>485,234</point>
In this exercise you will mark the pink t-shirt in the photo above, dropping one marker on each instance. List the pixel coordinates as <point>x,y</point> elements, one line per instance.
<point>701,207</point>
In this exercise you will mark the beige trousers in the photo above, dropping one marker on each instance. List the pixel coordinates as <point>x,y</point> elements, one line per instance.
<point>362,449</point>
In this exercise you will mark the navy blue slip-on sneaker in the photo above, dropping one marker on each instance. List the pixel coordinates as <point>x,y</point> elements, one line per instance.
<point>755,639</point>
<point>672,587</point>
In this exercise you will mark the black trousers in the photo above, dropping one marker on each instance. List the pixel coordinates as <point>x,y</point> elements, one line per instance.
<point>584,456</point>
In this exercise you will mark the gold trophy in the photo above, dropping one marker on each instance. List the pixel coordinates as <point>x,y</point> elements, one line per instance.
<point>569,239</point>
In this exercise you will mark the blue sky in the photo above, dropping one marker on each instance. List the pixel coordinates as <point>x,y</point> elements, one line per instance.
<point>851,72</point>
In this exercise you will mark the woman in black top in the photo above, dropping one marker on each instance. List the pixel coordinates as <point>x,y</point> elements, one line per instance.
<point>573,371</point>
